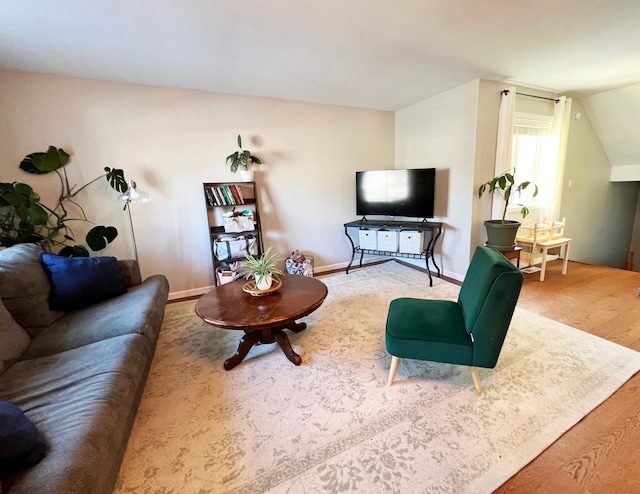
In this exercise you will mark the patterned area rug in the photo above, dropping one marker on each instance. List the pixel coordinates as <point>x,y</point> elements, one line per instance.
<point>332,424</point>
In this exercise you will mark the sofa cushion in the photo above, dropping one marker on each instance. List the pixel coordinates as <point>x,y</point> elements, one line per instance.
<point>80,281</point>
<point>13,339</point>
<point>24,287</point>
<point>83,402</point>
<point>21,445</point>
<point>140,311</point>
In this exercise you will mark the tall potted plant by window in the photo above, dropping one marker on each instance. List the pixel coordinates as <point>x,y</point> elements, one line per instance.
<point>501,234</point>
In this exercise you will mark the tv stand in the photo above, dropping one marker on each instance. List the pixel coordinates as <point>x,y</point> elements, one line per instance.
<point>434,228</point>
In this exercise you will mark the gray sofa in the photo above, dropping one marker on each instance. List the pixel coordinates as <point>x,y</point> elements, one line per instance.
<point>78,376</point>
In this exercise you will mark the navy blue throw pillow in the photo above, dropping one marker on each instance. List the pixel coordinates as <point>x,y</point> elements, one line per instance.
<point>21,445</point>
<point>80,281</point>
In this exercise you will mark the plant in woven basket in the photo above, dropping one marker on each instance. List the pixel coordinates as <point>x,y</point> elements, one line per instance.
<point>262,269</point>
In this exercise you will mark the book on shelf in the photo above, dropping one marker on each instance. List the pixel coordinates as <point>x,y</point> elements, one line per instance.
<point>209,196</point>
<point>228,196</point>
<point>224,195</point>
<point>237,194</point>
<point>225,199</point>
<point>214,193</point>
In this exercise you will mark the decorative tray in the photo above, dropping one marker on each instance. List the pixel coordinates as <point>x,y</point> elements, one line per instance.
<point>250,288</point>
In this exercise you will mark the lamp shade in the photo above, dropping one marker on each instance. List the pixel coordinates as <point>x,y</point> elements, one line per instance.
<point>133,194</point>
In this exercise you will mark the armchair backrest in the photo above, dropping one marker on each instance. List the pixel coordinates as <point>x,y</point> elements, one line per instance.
<point>488,298</point>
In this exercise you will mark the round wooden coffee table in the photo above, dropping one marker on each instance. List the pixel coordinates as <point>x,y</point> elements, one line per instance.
<point>263,318</point>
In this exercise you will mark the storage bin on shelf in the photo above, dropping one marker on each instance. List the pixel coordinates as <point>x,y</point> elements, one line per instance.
<point>368,239</point>
<point>237,224</point>
<point>411,242</point>
<point>224,276</point>
<point>387,241</point>
<point>235,247</point>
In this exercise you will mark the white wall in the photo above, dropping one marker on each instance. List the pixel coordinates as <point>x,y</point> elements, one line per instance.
<point>170,141</point>
<point>440,132</point>
<point>600,213</point>
<point>614,116</point>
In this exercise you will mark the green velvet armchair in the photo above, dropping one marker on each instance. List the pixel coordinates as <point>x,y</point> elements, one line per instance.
<point>470,331</point>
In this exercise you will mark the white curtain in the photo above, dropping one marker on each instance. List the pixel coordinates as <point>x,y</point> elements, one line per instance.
<point>504,141</point>
<point>561,113</point>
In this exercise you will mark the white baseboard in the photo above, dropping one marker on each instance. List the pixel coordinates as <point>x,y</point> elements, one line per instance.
<point>318,270</point>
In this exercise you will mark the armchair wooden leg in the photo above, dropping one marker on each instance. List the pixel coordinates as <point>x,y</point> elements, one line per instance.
<point>476,379</point>
<point>392,371</point>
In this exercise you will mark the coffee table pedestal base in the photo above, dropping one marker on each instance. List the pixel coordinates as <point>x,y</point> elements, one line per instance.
<point>268,335</point>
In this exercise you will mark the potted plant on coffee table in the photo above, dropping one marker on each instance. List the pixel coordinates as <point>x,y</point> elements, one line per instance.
<point>263,269</point>
<point>501,234</point>
<point>240,160</point>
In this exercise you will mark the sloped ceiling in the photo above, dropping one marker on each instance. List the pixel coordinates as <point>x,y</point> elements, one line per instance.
<point>615,116</point>
<point>364,53</point>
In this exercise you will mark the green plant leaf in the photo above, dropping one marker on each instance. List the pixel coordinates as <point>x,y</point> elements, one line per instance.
<point>232,158</point>
<point>37,215</point>
<point>260,266</point>
<point>99,236</point>
<point>241,158</point>
<point>40,163</point>
<point>27,164</point>
<point>74,251</point>
<point>115,177</point>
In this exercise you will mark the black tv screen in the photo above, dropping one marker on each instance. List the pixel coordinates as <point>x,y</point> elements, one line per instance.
<point>407,193</point>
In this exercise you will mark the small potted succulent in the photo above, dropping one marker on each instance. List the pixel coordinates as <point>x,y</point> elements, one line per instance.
<point>240,160</point>
<point>262,269</point>
<point>501,233</point>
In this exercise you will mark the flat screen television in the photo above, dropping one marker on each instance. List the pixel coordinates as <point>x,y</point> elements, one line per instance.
<point>408,193</point>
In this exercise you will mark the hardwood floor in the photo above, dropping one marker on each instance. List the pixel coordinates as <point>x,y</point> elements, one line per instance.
<point>600,454</point>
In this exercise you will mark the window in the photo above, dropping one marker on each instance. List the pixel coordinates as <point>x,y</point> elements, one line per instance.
<point>535,159</point>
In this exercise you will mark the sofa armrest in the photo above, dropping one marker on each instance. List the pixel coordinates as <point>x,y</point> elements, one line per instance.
<point>130,272</point>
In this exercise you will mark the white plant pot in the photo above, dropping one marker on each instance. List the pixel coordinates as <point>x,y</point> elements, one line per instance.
<point>264,282</point>
<point>246,175</point>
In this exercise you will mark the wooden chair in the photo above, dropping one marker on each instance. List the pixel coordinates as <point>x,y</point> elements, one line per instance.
<point>539,238</point>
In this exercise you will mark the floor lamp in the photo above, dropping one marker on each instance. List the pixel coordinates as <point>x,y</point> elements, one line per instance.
<point>133,195</point>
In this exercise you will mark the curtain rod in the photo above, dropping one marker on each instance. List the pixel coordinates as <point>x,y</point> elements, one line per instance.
<point>555,100</point>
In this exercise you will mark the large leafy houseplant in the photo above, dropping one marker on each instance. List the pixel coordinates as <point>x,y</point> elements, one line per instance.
<point>25,219</point>
<point>242,158</point>
<point>502,233</point>
<point>505,186</point>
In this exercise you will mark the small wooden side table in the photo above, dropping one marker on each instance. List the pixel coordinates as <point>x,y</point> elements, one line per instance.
<point>512,254</point>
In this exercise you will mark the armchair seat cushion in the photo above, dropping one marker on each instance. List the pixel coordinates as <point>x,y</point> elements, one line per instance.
<point>428,330</point>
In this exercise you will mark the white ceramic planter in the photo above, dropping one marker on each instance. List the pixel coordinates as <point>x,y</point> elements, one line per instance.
<point>264,282</point>
<point>246,174</point>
